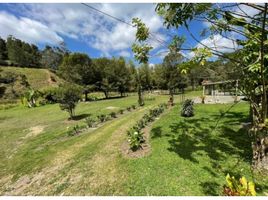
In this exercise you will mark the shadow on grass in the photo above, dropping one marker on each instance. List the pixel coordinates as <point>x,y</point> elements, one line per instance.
<point>211,188</point>
<point>79,117</point>
<point>192,135</point>
<point>156,132</point>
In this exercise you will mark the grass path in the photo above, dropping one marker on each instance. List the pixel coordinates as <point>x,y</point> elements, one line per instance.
<point>73,162</point>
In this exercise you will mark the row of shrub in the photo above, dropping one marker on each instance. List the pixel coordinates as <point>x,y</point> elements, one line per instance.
<point>92,122</point>
<point>135,134</point>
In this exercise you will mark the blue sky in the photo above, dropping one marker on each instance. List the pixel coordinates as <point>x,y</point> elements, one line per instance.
<point>87,31</point>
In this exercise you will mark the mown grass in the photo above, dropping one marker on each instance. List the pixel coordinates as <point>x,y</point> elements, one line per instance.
<point>189,156</point>
<point>21,156</point>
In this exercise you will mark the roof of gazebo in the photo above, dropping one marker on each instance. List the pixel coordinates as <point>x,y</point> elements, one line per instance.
<point>217,82</point>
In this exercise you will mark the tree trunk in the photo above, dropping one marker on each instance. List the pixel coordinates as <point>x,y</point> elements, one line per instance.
<point>171,98</point>
<point>260,148</point>
<point>264,96</point>
<point>140,100</point>
<point>86,97</point>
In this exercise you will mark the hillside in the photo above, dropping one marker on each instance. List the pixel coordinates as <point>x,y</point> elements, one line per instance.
<point>37,78</point>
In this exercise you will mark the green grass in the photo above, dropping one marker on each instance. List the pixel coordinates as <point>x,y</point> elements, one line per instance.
<point>38,78</point>
<point>191,157</point>
<point>187,158</point>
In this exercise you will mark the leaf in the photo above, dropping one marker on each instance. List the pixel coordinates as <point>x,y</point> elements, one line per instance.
<point>244,182</point>
<point>229,181</point>
<point>251,187</point>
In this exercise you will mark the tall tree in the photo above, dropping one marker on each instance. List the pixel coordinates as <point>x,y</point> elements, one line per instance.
<point>78,68</point>
<point>3,49</point>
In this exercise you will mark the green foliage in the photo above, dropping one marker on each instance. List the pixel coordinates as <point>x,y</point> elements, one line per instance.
<point>77,68</point>
<point>187,108</point>
<point>102,118</point>
<point>141,52</point>
<point>142,31</point>
<point>68,97</point>
<point>74,130</point>
<point>29,98</point>
<point>240,187</point>
<point>53,56</point>
<point>121,111</point>
<point>129,108</point>
<point>90,121</point>
<point>113,115</point>
<point>50,95</point>
<point>178,14</point>
<point>133,107</point>
<point>135,134</point>
<point>135,139</point>
<point>21,53</point>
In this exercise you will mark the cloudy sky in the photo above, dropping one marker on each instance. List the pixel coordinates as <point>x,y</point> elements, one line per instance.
<point>85,30</point>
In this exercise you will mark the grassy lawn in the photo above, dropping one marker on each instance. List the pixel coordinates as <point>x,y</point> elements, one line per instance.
<point>26,154</point>
<point>188,156</point>
<point>191,157</point>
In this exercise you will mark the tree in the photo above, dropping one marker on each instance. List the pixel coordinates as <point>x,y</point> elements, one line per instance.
<point>22,54</point>
<point>145,74</point>
<point>3,49</point>
<point>52,57</point>
<point>68,97</point>
<point>250,32</point>
<point>78,68</point>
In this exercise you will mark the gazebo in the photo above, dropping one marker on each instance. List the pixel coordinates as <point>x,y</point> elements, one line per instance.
<point>209,87</point>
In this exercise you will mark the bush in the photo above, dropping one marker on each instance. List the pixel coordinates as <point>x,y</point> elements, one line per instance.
<point>121,111</point>
<point>239,188</point>
<point>102,118</point>
<point>128,108</point>
<point>74,131</point>
<point>113,115</point>
<point>187,108</point>
<point>135,139</point>
<point>90,121</point>
<point>133,107</point>
<point>50,95</point>
<point>68,97</point>
<point>140,124</point>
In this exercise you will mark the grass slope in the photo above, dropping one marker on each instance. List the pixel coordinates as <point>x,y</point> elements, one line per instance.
<point>38,78</point>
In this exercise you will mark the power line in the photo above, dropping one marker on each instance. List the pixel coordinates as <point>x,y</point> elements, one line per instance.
<point>115,18</point>
<point>122,21</point>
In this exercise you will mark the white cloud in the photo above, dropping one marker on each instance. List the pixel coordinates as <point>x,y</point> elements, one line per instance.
<point>124,54</point>
<point>219,43</point>
<point>27,29</point>
<point>246,10</point>
<point>96,30</point>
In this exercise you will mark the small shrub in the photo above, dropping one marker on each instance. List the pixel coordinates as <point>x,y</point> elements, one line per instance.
<point>102,118</point>
<point>113,115</point>
<point>135,139</point>
<point>240,187</point>
<point>187,108</point>
<point>74,131</point>
<point>133,107</point>
<point>140,124</point>
<point>146,119</point>
<point>90,121</point>
<point>68,97</point>
<point>128,108</point>
<point>121,111</point>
